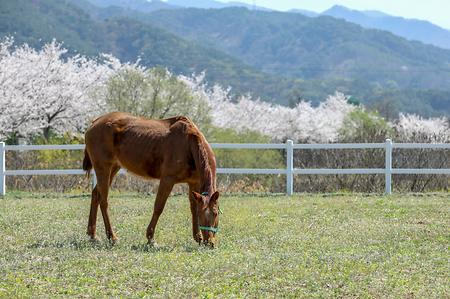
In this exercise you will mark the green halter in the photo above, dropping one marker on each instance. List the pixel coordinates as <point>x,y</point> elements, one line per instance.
<point>210,229</point>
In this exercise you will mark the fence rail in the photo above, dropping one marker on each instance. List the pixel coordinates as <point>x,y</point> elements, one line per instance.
<point>289,171</point>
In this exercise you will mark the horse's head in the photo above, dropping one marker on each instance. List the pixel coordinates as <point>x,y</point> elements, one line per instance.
<point>208,216</point>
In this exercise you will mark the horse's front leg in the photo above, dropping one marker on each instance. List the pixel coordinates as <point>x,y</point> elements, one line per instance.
<point>197,235</point>
<point>164,189</point>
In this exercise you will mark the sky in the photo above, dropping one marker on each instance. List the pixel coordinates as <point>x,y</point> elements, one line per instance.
<point>435,11</point>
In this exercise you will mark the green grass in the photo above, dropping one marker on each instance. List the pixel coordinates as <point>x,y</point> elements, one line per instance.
<point>310,246</point>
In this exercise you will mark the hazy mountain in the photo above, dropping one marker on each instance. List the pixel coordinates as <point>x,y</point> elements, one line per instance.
<point>375,13</point>
<point>38,22</point>
<point>198,3</point>
<point>281,56</point>
<point>148,6</point>
<point>324,54</point>
<point>139,5</point>
<point>208,4</point>
<point>305,12</point>
<point>411,29</point>
<point>311,48</point>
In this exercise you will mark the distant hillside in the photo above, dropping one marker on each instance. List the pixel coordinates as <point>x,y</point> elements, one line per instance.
<point>305,12</point>
<point>322,55</point>
<point>292,45</point>
<point>285,57</point>
<point>411,29</point>
<point>208,4</point>
<point>147,6</point>
<point>38,22</point>
<point>321,48</point>
<point>139,5</point>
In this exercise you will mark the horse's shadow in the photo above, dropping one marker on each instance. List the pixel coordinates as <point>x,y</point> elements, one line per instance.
<point>72,243</point>
<point>79,244</point>
<point>145,247</point>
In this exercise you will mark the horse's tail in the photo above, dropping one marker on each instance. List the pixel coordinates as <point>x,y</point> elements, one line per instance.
<point>87,164</point>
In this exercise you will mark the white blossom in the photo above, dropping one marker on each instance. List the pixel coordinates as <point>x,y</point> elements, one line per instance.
<point>414,128</point>
<point>42,90</point>
<point>303,123</point>
<point>50,89</point>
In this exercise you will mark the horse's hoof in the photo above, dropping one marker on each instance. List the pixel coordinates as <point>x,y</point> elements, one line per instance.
<point>210,245</point>
<point>91,230</point>
<point>112,239</point>
<point>94,239</point>
<point>198,238</point>
<point>152,243</point>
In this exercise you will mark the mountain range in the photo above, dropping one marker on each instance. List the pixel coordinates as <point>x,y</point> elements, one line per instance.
<point>323,54</point>
<point>86,29</point>
<point>281,57</point>
<point>310,48</point>
<point>411,29</point>
<point>138,5</point>
<point>148,6</point>
<point>211,4</point>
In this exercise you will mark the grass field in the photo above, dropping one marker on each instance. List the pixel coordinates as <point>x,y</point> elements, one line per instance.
<point>269,246</point>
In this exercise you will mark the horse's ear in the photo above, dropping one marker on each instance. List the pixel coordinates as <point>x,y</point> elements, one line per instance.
<point>198,197</point>
<point>214,199</point>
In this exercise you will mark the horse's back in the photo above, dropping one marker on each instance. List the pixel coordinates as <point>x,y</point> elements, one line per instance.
<point>138,144</point>
<point>116,124</point>
<point>122,121</point>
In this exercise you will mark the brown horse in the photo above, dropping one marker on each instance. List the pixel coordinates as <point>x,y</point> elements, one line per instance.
<point>172,150</point>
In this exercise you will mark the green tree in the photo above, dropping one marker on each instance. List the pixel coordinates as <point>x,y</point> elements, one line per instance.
<point>364,126</point>
<point>155,93</point>
<point>243,158</point>
<point>246,158</point>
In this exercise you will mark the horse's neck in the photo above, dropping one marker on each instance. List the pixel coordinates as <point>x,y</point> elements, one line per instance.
<point>207,176</point>
<point>207,183</point>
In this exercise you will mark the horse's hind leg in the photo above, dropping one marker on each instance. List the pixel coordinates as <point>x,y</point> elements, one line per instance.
<point>103,174</point>
<point>95,201</point>
<point>114,170</point>
<point>93,213</point>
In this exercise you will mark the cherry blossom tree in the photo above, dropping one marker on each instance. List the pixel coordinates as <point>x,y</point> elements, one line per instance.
<point>43,91</point>
<point>49,90</point>
<point>303,123</point>
<point>155,93</point>
<point>414,128</point>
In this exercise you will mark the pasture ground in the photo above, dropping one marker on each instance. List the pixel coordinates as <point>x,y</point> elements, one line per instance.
<point>269,246</point>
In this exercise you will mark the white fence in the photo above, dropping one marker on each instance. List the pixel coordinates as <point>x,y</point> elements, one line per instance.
<point>289,171</point>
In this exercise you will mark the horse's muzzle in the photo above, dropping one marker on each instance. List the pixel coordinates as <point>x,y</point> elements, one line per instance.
<point>209,243</point>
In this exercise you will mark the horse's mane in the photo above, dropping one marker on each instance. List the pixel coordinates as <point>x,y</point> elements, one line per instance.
<point>201,157</point>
